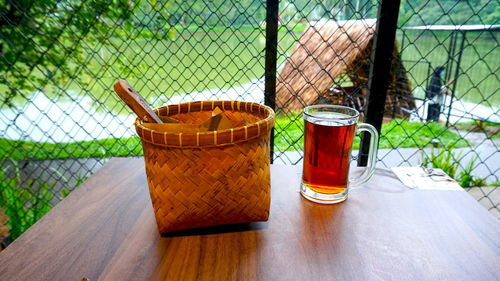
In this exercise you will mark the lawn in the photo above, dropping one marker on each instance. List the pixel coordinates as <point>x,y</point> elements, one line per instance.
<point>104,148</point>
<point>289,133</point>
<point>288,137</point>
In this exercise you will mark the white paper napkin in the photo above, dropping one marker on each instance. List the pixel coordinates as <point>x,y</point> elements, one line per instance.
<point>425,178</point>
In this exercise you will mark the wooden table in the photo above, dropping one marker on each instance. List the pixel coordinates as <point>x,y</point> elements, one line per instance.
<point>105,230</point>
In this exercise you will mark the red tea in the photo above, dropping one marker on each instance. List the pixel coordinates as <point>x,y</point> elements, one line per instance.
<point>327,153</point>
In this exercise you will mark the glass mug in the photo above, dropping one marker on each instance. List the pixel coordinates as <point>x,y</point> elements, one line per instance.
<point>329,135</point>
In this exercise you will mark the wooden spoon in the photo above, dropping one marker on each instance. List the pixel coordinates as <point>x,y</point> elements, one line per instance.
<point>135,101</point>
<point>154,122</point>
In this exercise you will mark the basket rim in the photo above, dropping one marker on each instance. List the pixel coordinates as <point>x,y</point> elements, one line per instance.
<point>209,138</point>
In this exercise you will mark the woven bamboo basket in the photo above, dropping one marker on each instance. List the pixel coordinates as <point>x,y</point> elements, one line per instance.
<point>209,178</point>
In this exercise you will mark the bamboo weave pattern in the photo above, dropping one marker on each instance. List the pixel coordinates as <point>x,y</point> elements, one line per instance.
<point>198,180</point>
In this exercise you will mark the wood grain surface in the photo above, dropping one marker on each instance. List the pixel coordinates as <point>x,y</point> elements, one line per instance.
<point>105,230</point>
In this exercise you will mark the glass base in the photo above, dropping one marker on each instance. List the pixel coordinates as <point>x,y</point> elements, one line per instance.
<point>321,198</point>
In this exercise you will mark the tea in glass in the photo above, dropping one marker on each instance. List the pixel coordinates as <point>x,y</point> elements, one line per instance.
<point>329,136</point>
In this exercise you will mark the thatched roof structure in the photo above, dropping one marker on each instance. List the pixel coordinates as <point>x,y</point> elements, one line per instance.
<point>327,51</point>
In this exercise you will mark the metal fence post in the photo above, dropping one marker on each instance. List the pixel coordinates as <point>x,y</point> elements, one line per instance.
<point>457,73</point>
<point>272,7</point>
<point>383,46</point>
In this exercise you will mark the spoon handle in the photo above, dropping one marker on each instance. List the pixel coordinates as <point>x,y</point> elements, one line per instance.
<point>134,100</point>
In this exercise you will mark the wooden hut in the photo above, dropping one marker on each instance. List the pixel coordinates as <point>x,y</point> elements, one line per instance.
<point>329,54</point>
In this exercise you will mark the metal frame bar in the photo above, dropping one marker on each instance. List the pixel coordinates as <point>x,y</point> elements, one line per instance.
<point>383,46</point>
<point>457,73</point>
<point>272,7</point>
<point>451,55</point>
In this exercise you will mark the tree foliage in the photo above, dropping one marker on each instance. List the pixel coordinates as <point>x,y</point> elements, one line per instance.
<point>44,40</point>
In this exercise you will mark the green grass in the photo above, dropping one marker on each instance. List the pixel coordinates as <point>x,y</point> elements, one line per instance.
<point>25,150</point>
<point>405,134</point>
<point>449,162</point>
<point>490,129</point>
<point>396,134</point>
<point>180,29</point>
<point>479,123</point>
<point>25,202</point>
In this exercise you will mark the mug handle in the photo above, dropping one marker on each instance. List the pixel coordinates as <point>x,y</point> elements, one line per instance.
<point>372,155</point>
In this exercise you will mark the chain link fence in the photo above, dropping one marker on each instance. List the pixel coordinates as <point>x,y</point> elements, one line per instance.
<point>442,107</point>
<point>456,84</point>
<point>60,120</point>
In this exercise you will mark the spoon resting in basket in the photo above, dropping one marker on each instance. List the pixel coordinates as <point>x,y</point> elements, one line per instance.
<point>134,100</point>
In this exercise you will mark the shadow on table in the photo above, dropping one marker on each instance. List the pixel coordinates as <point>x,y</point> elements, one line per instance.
<point>218,229</point>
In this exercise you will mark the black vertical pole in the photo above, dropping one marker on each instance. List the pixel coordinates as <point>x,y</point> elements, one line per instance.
<point>457,73</point>
<point>271,57</point>
<point>451,55</point>
<point>381,58</point>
